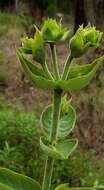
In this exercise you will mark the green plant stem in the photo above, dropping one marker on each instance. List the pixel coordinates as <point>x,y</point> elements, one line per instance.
<point>54,61</point>
<point>67,67</point>
<point>56,114</point>
<point>46,70</point>
<point>53,137</point>
<point>48,173</point>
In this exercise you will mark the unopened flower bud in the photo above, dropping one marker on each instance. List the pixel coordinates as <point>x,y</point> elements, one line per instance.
<point>53,32</point>
<point>27,45</point>
<point>83,39</point>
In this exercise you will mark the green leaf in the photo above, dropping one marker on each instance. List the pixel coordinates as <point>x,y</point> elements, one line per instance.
<point>60,150</point>
<point>4,187</point>
<point>65,187</point>
<point>62,186</point>
<point>34,69</point>
<point>34,74</point>
<point>66,121</point>
<point>80,76</point>
<point>10,180</point>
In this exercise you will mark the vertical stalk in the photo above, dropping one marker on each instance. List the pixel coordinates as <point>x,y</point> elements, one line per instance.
<point>56,114</point>
<point>66,67</point>
<point>53,137</point>
<point>48,173</point>
<point>46,70</point>
<point>54,61</point>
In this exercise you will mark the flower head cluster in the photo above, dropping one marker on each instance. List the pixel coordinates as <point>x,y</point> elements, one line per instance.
<point>83,39</point>
<point>46,77</point>
<point>51,32</point>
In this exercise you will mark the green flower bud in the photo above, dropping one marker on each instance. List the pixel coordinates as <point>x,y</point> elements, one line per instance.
<point>83,39</point>
<point>34,46</point>
<point>27,45</point>
<point>65,105</point>
<point>38,49</point>
<point>53,32</point>
<point>92,35</point>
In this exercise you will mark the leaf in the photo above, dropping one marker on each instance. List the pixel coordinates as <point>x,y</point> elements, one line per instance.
<point>65,187</point>
<point>34,69</point>
<point>10,180</point>
<point>4,187</point>
<point>80,76</point>
<point>66,121</point>
<point>60,150</point>
<point>62,186</point>
<point>34,76</point>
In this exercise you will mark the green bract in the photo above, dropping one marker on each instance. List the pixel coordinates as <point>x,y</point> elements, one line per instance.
<point>53,32</point>
<point>83,39</point>
<point>78,77</point>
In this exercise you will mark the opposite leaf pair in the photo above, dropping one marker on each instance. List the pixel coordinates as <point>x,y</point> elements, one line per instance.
<point>50,32</point>
<point>60,149</point>
<point>78,77</point>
